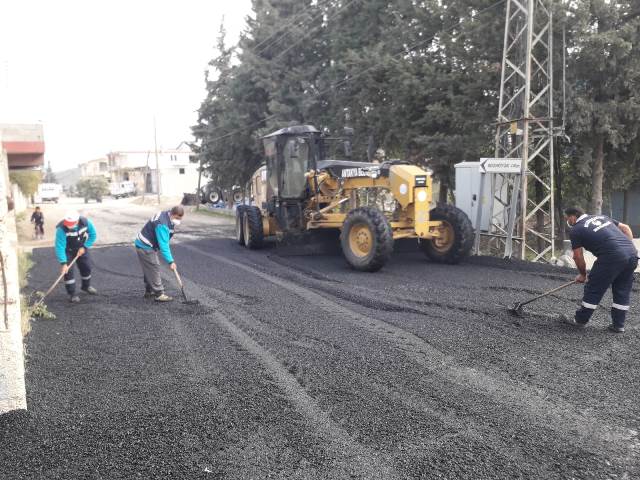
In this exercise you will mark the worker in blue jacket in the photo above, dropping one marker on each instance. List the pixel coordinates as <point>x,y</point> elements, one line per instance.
<point>617,259</point>
<point>153,238</point>
<point>74,236</point>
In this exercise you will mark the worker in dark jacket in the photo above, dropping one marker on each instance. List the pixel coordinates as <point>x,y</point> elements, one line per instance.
<point>617,258</point>
<point>74,236</point>
<point>153,238</point>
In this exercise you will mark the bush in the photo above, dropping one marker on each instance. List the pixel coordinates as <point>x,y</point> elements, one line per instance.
<point>93,187</point>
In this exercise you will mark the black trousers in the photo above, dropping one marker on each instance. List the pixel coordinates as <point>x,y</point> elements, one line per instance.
<point>84,266</point>
<point>617,274</point>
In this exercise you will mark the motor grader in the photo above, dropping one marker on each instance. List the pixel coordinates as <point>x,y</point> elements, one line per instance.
<point>299,189</point>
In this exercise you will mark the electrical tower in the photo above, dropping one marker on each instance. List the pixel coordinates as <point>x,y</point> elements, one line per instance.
<point>522,205</point>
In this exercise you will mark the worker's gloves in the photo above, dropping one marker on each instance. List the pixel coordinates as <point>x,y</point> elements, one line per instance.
<point>81,251</point>
<point>64,269</point>
<point>580,278</point>
<point>172,266</point>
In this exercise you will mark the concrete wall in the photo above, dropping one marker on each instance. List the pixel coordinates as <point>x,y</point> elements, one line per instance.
<point>20,202</point>
<point>12,385</point>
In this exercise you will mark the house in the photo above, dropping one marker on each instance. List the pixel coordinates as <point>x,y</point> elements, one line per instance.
<point>95,168</point>
<point>23,144</point>
<point>177,172</point>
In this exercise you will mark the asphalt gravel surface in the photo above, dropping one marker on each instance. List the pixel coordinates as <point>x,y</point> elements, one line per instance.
<point>295,366</point>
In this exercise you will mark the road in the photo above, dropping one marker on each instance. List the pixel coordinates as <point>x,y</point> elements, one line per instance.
<point>296,367</point>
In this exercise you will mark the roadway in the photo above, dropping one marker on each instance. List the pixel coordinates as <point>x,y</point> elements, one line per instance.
<point>294,366</point>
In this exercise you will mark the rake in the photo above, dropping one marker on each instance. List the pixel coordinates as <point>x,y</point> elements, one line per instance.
<point>516,309</point>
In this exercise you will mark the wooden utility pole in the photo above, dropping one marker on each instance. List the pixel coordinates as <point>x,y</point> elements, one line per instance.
<point>155,141</point>
<point>199,181</point>
<point>144,179</point>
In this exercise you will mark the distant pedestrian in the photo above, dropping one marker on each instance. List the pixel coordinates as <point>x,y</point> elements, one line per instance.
<point>74,236</point>
<point>37,218</point>
<point>617,258</point>
<point>153,238</point>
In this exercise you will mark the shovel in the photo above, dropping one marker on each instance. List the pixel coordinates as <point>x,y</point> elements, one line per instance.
<point>41,301</point>
<point>516,309</point>
<point>184,295</point>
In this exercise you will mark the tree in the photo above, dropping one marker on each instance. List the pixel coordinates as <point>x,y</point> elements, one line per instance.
<point>605,95</point>
<point>27,180</point>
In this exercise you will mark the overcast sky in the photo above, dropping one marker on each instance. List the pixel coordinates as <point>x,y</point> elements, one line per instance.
<point>95,73</point>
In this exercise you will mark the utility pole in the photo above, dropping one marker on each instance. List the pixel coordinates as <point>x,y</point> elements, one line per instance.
<point>522,205</point>
<point>199,181</point>
<point>146,172</point>
<point>155,141</point>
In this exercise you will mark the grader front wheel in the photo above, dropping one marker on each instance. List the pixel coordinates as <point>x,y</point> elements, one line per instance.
<point>240,209</point>
<point>366,239</point>
<point>456,236</point>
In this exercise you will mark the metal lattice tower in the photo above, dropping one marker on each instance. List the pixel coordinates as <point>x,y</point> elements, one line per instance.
<point>522,206</point>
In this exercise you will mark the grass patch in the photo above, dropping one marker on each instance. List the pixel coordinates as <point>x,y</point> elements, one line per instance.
<point>20,217</point>
<point>25,264</point>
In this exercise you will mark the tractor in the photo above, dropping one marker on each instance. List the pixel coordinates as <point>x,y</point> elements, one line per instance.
<point>300,188</point>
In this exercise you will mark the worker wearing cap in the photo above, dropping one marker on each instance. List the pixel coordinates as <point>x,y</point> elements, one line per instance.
<point>617,258</point>
<point>153,238</point>
<point>74,236</point>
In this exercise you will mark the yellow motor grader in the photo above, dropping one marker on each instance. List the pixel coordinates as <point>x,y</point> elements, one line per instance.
<point>300,188</point>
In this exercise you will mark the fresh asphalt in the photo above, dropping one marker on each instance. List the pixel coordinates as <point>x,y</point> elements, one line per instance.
<point>295,366</point>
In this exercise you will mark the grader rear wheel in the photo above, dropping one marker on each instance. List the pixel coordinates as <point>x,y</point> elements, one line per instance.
<point>456,236</point>
<point>366,239</point>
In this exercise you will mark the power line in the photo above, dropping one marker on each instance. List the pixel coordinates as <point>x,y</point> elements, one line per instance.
<point>284,31</point>
<point>358,74</point>
<point>336,13</point>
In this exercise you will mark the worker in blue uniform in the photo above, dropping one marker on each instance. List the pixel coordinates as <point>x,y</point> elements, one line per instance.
<point>153,238</point>
<point>74,236</point>
<point>617,259</point>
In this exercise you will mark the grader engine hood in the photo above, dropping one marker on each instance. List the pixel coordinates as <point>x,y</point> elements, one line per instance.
<point>411,187</point>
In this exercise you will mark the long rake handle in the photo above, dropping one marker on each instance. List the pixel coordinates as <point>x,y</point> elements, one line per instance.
<point>548,293</point>
<point>181,284</point>
<point>39,302</point>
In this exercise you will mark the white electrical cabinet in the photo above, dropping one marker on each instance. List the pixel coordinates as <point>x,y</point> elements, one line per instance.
<point>467,192</point>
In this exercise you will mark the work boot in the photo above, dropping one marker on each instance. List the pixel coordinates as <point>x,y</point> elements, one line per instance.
<point>74,298</point>
<point>613,328</point>
<point>570,321</point>
<point>90,290</point>
<point>149,295</point>
<point>163,298</point>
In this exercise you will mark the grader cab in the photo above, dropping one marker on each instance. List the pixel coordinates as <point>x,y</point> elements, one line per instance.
<point>299,189</point>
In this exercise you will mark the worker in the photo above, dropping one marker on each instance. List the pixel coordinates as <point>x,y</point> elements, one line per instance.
<point>37,218</point>
<point>617,258</point>
<point>153,238</point>
<point>74,236</point>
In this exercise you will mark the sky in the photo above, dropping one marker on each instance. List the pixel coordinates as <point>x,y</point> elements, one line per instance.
<point>96,73</point>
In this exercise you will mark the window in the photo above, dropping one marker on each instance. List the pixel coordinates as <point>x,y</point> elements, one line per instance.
<point>181,171</point>
<point>296,162</point>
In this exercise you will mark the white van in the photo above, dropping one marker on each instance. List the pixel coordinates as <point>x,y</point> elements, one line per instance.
<point>48,192</point>
<point>122,189</point>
